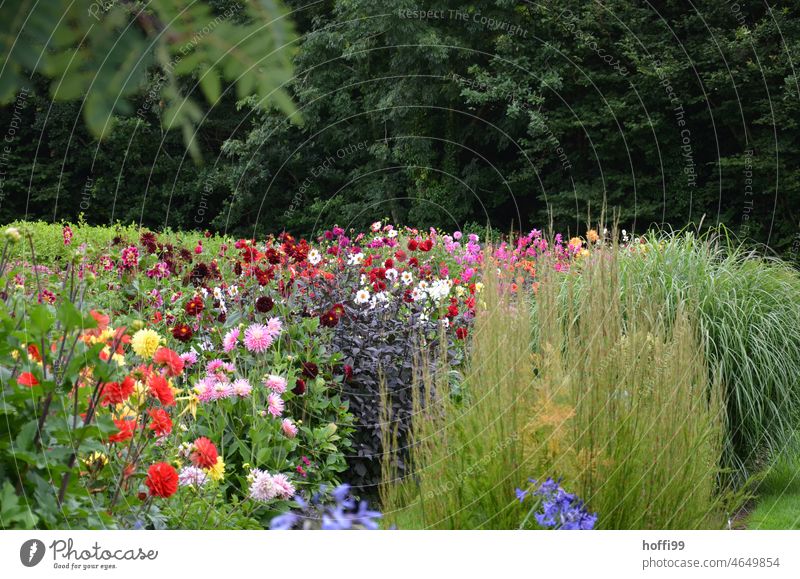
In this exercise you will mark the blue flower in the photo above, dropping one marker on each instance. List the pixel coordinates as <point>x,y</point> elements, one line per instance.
<point>559,509</point>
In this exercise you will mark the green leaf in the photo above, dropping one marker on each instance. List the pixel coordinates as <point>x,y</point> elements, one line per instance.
<point>41,318</point>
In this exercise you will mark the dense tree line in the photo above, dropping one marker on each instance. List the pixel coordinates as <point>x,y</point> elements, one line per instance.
<point>454,113</point>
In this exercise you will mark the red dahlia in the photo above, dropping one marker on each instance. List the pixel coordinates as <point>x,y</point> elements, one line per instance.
<point>160,422</point>
<point>194,306</point>
<point>426,245</point>
<point>27,379</point>
<point>461,333</point>
<point>299,387</point>
<point>159,388</point>
<point>117,392</point>
<point>182,333</point>
<point>204,454</point>
<point>328,319</point>
<point>310,370</point>
<point>162,480</point>
<point>126,428</point>
<point>170,359</point>
<point>264,304</point>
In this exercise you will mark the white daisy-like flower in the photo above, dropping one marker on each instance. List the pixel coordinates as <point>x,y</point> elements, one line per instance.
<point>445,322</point>
<point>406,277</point>
<point>376,227</point>
<point>233,291</point>
<point>362,296</point>
<point>355,259</point>
<point>204,291</point>
<point>314,257</point>
<point>417,294</point>
<point>217,293</point>
<point>391,274</point>
<point>392,233</point>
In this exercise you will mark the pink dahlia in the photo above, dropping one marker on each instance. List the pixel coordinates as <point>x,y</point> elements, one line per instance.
<point>283,488</point>
<point>274,327</point>
<point>189,358</point>
<point>257,338</point>
<point>192,476</point>
<point>241,388</point>
<point>262,487</point>
<point>205,389</point>
<point>276,383</point>
<point>274,404</point>
<point>231,340</point>
<point>289,428</point>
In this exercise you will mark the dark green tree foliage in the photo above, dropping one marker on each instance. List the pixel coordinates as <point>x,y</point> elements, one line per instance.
<point>500,111</point>
<point>507,111</point>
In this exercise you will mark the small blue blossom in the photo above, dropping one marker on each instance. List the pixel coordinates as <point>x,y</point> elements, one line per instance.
<point>346,513</point>
<point>558,509</point>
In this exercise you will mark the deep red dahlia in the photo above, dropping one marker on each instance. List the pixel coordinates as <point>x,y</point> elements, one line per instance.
<point>162,480</point>
<point>426,245</point>
<point>299,387</point>
<point>194,306</point>
<point>204,454</point>
<point>264,304</point>
<point>461,333</point>
<point>310,370</point>
<point>328,320</point>
<point>182,333</point>
<point>412,245</point>
<point>273,256</point>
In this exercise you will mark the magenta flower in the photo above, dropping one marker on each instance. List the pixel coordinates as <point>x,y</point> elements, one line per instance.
<point>258,337</point>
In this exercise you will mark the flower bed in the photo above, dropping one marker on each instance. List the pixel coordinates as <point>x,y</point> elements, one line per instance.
<point>162,379</point>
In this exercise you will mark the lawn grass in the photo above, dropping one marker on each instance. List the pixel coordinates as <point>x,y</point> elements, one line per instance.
<point>777,504</point>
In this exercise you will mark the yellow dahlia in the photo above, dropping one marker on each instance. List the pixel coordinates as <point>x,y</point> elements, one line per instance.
<point>217,472</point>
<point>145,343</point>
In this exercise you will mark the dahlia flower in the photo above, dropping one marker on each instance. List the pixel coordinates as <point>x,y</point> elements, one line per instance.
<point>145,342</point>
<point>275,404</point>
<point>276,383</point>
<point>192,476</point>
<point>289,428</point>
<point>231,340</point>
<point>257,338</point>
<point>241,388</point>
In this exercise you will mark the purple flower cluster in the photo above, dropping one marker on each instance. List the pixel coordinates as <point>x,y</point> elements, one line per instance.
<point>558,509</point>
<point>345,514</point>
